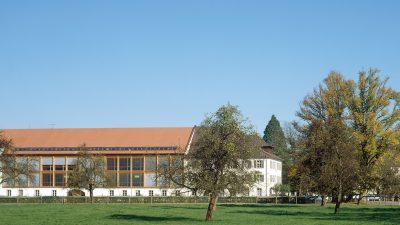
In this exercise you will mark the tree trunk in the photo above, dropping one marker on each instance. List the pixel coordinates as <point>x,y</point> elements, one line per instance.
<point>337,206</point>
<point>360,197</point>
<point>91,196</point>
<point>211,206</point>
<point>323,200</point>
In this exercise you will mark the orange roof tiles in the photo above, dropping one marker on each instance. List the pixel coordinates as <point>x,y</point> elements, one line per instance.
<point>100,137</point>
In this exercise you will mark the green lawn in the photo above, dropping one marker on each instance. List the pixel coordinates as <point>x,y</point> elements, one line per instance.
<point>138,214</point>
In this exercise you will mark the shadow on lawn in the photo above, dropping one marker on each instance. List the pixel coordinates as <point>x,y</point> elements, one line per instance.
<point>134,217</point>
<point>383,215</point>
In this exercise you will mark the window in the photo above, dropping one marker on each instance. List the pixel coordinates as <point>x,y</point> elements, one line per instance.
<point>35,180</point>
<point>163,163</point>
<point>124,193</point>
<point>260,177</point>
<point>279,166</point>
<point>59,163</point>
<point>150,163</point>
<point>111,163</point>
<point>137,163</point>
<point>113,179</point>
<point>22,180</point>
<point>259,164</point>
<point>164,193</point>
<point>272,179</point>
<point>47,164</point>
<point>20,193</point>
<point>124,180</point>
<point>111,193</point>
<point>137,192</point>
<point>272,165</point>
<point>59,177</point>
<point>177,193</point>
<point>150,180</point>
<point>47,179</point>
<point>151,193</point>
<point>259,192</point>
<point>248,164</point>
<point>34,164</point>
<point>137,180</point>
<point>72,163</point>
<point>124,163</point>
<point>37,193</point>
<point>9,193</point>
<point>54,193</point>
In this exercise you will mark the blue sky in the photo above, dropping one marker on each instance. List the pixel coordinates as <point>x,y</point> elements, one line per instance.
<point>167,63</point>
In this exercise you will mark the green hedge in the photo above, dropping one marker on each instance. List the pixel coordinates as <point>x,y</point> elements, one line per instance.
<point>157,199</point>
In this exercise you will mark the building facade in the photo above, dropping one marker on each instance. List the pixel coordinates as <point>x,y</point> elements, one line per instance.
<point>132,157</point>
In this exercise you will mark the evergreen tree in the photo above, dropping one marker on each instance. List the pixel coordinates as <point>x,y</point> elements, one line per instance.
<point>274,135</point>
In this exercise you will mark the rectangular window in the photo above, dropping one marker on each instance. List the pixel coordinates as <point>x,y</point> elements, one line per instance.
<point>137,192</point>
<point>163,163</point>
<point>47,164</point>
<point>137,180</point>
<point>150,180</point>
<point>113,179</point>
<point>164,193</point>
<point>111,163</point>
<point>111,193</point>
<point>22,180</point>
<point>248,164</point>
<point>124,193</point>
<point>124,163</point>
<point>54,193</point>
<point>9,193</point>
<point>72,163</point>
<point>20,193</point>
<point>260,178</point>
<point>37,193</point>
<point>151,193</point>
<point>59,164</point>
<point>124,180</point>
<point>151,164</point>
<point>59,177</point>
<point>279,166</point>
<point>137,164</point>
<point>177,193</point>
<point>272,179</point>
<point>259,192</point>
<point>34,164</point>
<point>35,180</point>
<point>47,179</point>
<point>259,164</point>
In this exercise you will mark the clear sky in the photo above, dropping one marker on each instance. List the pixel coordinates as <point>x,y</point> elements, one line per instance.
<point>167,63</point>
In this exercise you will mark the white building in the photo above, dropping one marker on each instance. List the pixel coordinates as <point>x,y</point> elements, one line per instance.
<point>132,154</point>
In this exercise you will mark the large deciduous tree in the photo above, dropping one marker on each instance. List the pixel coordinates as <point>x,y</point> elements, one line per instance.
<point>375,118</point>
<point>218,158</point>
<point>89,173</point>
<point>330,156</point>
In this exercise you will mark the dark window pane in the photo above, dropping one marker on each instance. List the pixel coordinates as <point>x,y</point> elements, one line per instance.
<point>137,180</point>
<point>113,179</point>
<point>124,180</point>
<point>59,180</point>
<point>137,163</point>
<point>47,179</point>
<point>124,163</point>
<point>72,163</point>
<point>59,163</point>
<point>111,163</point>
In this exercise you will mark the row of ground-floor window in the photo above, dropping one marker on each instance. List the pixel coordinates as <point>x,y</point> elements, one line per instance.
<point>30,192</point>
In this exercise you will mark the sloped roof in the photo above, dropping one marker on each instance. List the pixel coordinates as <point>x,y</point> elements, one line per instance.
<point>100,137</point>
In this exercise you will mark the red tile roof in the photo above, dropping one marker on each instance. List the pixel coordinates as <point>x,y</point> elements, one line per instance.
<point>100,137</point>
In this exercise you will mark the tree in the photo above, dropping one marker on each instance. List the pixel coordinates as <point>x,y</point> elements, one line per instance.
<point>375,119</point>
<point>12,170</point>
<point>89,173</point>
<point>218,158</point>
<point>330,157</point>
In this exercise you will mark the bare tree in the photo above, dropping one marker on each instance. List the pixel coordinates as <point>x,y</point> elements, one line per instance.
<point>89,173</point>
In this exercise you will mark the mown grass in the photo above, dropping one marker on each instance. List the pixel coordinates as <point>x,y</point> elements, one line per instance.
<point>179,214</point>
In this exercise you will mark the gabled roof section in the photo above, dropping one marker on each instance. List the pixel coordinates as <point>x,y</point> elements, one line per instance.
<point>100,137</point>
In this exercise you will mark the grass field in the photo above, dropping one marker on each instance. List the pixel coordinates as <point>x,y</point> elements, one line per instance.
<point>98,214</point>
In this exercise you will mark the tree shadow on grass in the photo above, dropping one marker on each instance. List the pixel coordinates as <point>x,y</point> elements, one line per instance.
<point>256,205</point>
<point>375,215</point>
<point>134,217</point>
